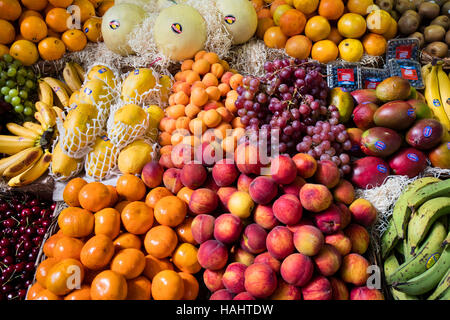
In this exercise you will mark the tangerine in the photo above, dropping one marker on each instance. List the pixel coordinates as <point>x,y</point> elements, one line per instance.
<point>137,217</point>
<point>59,275</point>
<point>94,196</point>
<point>191,286</point>
<point>34,290</point>
<point>10,10</point>
<point>160,241</point>
<point>352,25</point>
<point>126,241</point>
<point>324,51</point>
<point>43,269</point>
<point>61,3</point>
<point>51,48</point>
<point>57,19</point>
<point>185,258</point>
<point>29,13</point>
<point>107,222</point>
<point>306,6</point>
<point>298,47</point>
<point>374,44</point>
<point>87,9</point>
<point>153,266</point>
<point>71,191</point>
<point>155,195</point>
<point>75,40</point>
<point>84,293</point>
<point>359,6</point>
<point>128,262</point>
<point>335,36</point>
<point>292,22</point>
<point>331,9</point>
<point>184,231</point>
<point>170,211</point>
<point>317,28</point>
<point>46,295</point>
<point>67,247</point>
<point>122,204</point>
<point>274,38</point>
<point>167,285</point>
<point>25,51</point>
<point>7,32</point>
<point>97,252</point>
<point>76,222</point>
<point>33,28</point>
<point>36,5</point>
<point>109,285</point>
<point>49,245</point>
<point>130,187</point>
<point>139,288</point>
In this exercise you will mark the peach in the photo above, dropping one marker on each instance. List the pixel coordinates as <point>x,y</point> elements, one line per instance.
<point>283,169</point>
<point>152,174</point>
<point>346,215</point>
<point>242,256</point>
<point>165,161</point>
<point>233,278</point>
<point>279,242</point>
<point>266,258</point>
<point>340,242</point>
<point>224,173</point>
<point>319,288</point>
<point>206,153</point>
<point>244,296</point>
<point>364,293</point>
<point>264,216</point>
<point>329,220</point>
<point>344,192</point>
<point>297,269</point>
<point>315,197</point>
<point>354,269</point>
<point>211,184</point>
<point>226,77</point>
<point>203,201</point>
<point>263,190</point>
<point>294,187</point>
<point>308,240</point>
<point>181,154</point>
<point>306,165</point>
<point>243,183</point>
<point>202,228</point>
<point>246,157</point>
<point>359,238</point>
<point>172,181</point>
<point>339,289</point>
<point>213,279</point>
<point>254,239</point>
<point>260,280</point>
<point>212,255</point>
<point>193,175</point>
<point>286,291</point>
<point>327,173</point>
<point>305,221</point>
<point>288,209</point>
<point>363,212</point>
<point>241,204</point>
<point>227,228</point>
<point>328,260</point>
<point>224,194</point>
<point>222,294</point>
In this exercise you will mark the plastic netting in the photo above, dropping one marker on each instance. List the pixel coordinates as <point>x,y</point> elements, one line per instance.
<point>101,165</point>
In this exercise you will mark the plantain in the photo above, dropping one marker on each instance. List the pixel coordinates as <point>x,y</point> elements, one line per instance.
<point>389,239</point>
<point>442,287</point>
<point>390,265</point>
<point>23,163</point>
<point>438,189</point>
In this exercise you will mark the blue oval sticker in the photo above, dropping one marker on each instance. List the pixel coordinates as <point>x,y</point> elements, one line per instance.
<point>381,168</point>
<point>427,131</point>
<point>380,145</point>
<point>413,157</point>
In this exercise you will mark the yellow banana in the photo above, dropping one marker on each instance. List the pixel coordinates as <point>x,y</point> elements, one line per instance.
<point>80,71</point>
<point>59,89</point>
<point>20,131</point>
<point>71,77</point>
<point>48,115</point>
<point>38,117</point>
<point>14,144</point>
<point>426,69</point>
<point>433,98</point>
<point>23,163</point>
<point>33,173</point>
<point>45,92</point>
<point>444,89</point>
<point>59,113</point>
<point>34,127</point>
<point>8,161</point>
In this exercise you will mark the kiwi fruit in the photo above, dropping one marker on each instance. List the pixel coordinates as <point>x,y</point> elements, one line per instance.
<point>447,38</point>
<point>445,9</point>
<point>413,13</point>
<point>434,33</point>
<point>442,21</point>
<point>403,5</point>
<point>385,5</point>
<point>437,49</point>
<point>419,36</point>
<point>417,3</point>
<point>429,10</point>
<point>408,24</point>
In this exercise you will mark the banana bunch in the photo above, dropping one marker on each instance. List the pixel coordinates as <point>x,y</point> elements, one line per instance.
<point>416,245</point>
<point>437,92</point>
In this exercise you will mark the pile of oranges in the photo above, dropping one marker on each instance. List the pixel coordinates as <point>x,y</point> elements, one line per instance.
<point>325,29</point>
<point>122,242</point>
<point>30,29</point>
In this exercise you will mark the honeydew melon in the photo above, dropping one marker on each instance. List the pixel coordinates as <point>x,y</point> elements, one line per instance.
<point>240,19</point>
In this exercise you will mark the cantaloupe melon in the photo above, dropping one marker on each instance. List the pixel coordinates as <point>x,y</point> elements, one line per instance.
<point>239,18</point>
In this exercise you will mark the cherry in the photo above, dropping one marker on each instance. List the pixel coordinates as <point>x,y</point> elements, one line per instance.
<point>16,233</point>
<point>36,210</point>
<point>26,213</point>
<point>30,231</point>
<point>41,231</point>
<point>8,271</point>
<point>6,288</point>
<point>9,223</point>
<point>4,252</point>
<point>28,283</point>
<point>32,256</point>
<point>46,223</point>
<point>37,240</point>
<point>27,245</point>
<point>8,260</point>
<point>20,254</point>
<point>45,213</point>
<point>10,296</point>
<point>22,293</point>
<point>4,242</point>
<point>19,207</point>
<point>9,214</point>
<point>4,207</point>
<point>29,266</point>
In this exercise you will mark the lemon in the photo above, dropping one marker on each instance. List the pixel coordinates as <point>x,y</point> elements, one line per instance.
<point>351,50</point>
<point>134,157</point>
<point>101,159</point>
<point>306,6</point>
<point>80,116</point>
<point>166,85</point>
<point>103,73</point>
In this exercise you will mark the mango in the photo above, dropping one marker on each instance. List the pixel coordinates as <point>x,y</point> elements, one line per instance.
<point>425,134</point>
<point>397,115</point>
<point>393,88</point>
<point>421,109</point>
<point>380,142</point>
<point>343,101</point>
<point>440,156</point>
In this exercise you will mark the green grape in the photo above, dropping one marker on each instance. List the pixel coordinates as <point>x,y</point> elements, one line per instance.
<point>2,82</point>
<point>2,64</point>
<point>8,58</point>
<point>28,104</point>
<point>5,91</point>
<point>15,101</point>
<point>31,74</point>
<point>22,72</point>
<point>21,80</point>
<point>12,72</point>
<point>29,84</point>
<point>23,94</point>
<point>13,93</point>
<point>17,63</point>
<point>11,83</point>
<point>3,75</point>
<point>18,108</point>
<point>7,99</point>
<point>27,111</point>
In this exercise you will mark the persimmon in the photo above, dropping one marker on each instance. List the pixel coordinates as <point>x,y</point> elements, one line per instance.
<point>130,187</point>
<point>109,285</point>
<point>128,262</point>
<point>97,252</point>
<point>137,217</point>
<point>71,191</point>
<point>160,241</point>
<point>127,240</point>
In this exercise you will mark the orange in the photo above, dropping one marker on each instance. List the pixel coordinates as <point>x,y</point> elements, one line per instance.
<point>317,28</point>
<point>331,9</point>
<point>126,241</point>
<point>29,13</point>
<point>279,12</point>
<point>352,25</point>
<point>57,19</point>
<point>43,269</point>
<point>306,6</point>
<point>75,40</point>
<point>155,195</point>
<point>153,266</point>
<point>167,285</point>
<point>36,5</point>
<point>4,49</point>
<point>107,222</point>
<point>185,258</point>
<point>122,204</point>
<point>49,245</point>
<point>10,10</point>
<point>60,274</point>
<point>351,50</point>
<point>54,34</point>
<point>374,44</point>
<point>71,191</point>
<point>184,231</point>
<point>324,51</point>
<point>51,49</point>
<point>7,32</point>
<point>94,196</point>
<point>378,21</point>
<point>93,29</point>
<point>170,211</point>
<point>128,262</point>
<point>34,290</point>
<point>87,9</point>
<point>131,187</point>
<point>392,31</point>
<point>359,6</point>
<point>113,194</point>
<point>61,3</point>
<point>139,288</point>
<point>292,22</point>
<point>137,217</point>
<point>160,241</point>
<point>97,252</point>
<point>33,29</point>
<point>67,247</point>
<point>298,47</point>
<point>191,286</point>
<point>274,38</point>
<point>25,51</point>
<point>46,295</point>
<point>76,222</point>
<point>109,285</point>
<point>335,36</point>
<point>104,6</point>
<point>84,293</point>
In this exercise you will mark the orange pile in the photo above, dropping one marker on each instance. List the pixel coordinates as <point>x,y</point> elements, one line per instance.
<point>117,243</point>
<point>40,28</point>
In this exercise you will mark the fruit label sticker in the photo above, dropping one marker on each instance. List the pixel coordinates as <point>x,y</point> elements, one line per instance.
<point>371,83</point>
<point>346,77</point>
<point>104,138</point>
<point>57,89</point>
<point>136,72</point>
<point>177,28</point>
<point>230,19</point>
<point>88,91</point>
<point>381,168</point>
<point>427,131</point>
<point>409,73</point>
<point>86,30</point>
<point>448,145</point>
<point>413,157</point>
<point>432,260</point>
<point>102,70</point>
<point>411,112</point>
<point>380,145</point>
<point>436,103</point>
<point>114,24</point>
<point>403,52</point>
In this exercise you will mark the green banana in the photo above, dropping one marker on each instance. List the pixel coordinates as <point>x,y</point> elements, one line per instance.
<point>428,280</point>
<point>424,218</point>
<point>438,189</point>
<point>446,295</point>
<point>423,257</point>
<point>402,212</point>
<point>442,287</point>
<point>390,265</point>
<point>400,249</point>
<point>407,250</point>
<point>389,239</point>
